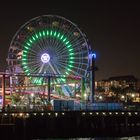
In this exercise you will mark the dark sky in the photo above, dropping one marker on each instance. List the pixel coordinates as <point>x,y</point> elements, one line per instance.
<point>112,27</point>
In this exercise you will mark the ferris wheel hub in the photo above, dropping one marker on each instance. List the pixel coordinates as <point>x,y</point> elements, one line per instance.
<point>45,58</point>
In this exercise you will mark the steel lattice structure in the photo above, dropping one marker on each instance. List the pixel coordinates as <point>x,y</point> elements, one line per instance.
<point>49,44</point>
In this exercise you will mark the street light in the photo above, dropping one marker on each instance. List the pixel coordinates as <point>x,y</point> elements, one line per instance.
<point>133,95</point>
<point>92,57</point>
<point>122,97</point>
<point>100,97</point>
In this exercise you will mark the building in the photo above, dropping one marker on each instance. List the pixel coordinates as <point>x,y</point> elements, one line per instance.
<point>121,87</point>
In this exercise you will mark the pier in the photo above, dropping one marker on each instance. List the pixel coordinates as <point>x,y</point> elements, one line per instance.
<point>69,124</point>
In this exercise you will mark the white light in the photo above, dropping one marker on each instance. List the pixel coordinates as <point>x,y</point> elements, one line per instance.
<point>104,113</point>
<point>129,113</point>
<point>56,114</point>
<point>97,113</point>
<point>133,95</point>
<point>122,96</point>
<point>100,97</point>
<point>27,114</point>
<point>45,58</point>
<point>90,113</point>
<point>63,113</point>
<point>32,95</point>
<point>116,113</point>
<point>122,113</point>
<point>42,114</point>
<point>21,114</point>
<point>110,113</point>
<point>83,113</point>
<point>136,113</point>
<point>85,95</point>
<point>77,95</point>
<point>49,114</point>
<point>13,114</point>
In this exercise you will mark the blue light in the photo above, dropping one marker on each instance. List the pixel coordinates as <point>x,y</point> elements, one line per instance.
<point>94,55</point>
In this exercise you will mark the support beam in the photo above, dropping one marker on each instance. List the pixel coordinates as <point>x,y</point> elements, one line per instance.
<point>3,91</point>
<point>49,85</point>
<point>93,79</point>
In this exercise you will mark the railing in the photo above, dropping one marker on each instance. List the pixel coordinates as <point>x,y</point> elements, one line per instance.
<point>86,107</point>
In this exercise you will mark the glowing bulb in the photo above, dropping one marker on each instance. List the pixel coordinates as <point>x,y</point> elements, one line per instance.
<point>45,58</point>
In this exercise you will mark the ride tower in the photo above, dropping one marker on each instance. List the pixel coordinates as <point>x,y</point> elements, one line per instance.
<point>49,45</point>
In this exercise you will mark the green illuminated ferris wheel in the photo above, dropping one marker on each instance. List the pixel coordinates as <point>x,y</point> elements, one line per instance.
<point>49,44</point>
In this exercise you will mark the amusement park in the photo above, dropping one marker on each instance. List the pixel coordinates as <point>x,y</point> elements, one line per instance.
<point>50,65</point>
<point>48,89</point>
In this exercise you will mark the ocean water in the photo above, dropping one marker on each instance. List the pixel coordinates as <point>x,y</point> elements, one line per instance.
<point>106,138</point>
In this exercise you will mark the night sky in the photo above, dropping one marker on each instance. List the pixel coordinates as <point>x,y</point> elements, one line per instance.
<point>112,27</point>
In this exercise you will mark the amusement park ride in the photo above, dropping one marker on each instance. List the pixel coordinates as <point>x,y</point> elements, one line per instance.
<point>49,57</point>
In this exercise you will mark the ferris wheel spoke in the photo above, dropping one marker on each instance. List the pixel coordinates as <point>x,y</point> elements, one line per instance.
<point>74,67</point>
<point>64,66</point>
<point>32,52</point>
<point>53,69</point>
<point>55,36</point>
<point>32,65</point>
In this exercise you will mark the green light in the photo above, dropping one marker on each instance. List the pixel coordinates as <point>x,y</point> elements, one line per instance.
<point>39,81</point>
<point>71,54</point>
<point>51,33</point>
<point>26,47</point>
<point>68,46</point>
<point>36,36</point>
<point>43,33</point>
<point>68,69</point>
<point>71,58</point>
<point>47,32</point>
<point>67,73</point>
<point>67,42</point>
<point>30,40</point>
<point>33,38</point>
<point>24,63</point>
<point>61,37</point>
<point>24,59</point>
<point>24,55</point>
<point>70,49</point>
<point>70,66</point>
<point>71,62</point>
<point>40,34</point>
<point>28,44</point>
<point>58,35</point>
<point>25,67</point>
<point>26,70</point>
<point>64,39</point>
<point>54,34</point>
<point>62,79</point>
<point>35,80</point>
<point>24,51</point>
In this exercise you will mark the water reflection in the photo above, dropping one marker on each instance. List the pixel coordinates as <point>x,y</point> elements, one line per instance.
<point>107,138</point>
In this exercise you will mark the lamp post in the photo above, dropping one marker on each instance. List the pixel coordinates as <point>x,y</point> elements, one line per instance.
<point>93,57</point>
<point>49,85</point>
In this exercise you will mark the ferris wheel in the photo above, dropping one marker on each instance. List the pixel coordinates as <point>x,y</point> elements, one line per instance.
<point>49,44</point>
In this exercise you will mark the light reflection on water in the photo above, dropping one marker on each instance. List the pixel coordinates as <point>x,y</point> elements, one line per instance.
<point>107,138</point>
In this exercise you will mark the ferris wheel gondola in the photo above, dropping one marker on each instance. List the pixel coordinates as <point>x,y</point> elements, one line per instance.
<point>49,44</point>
